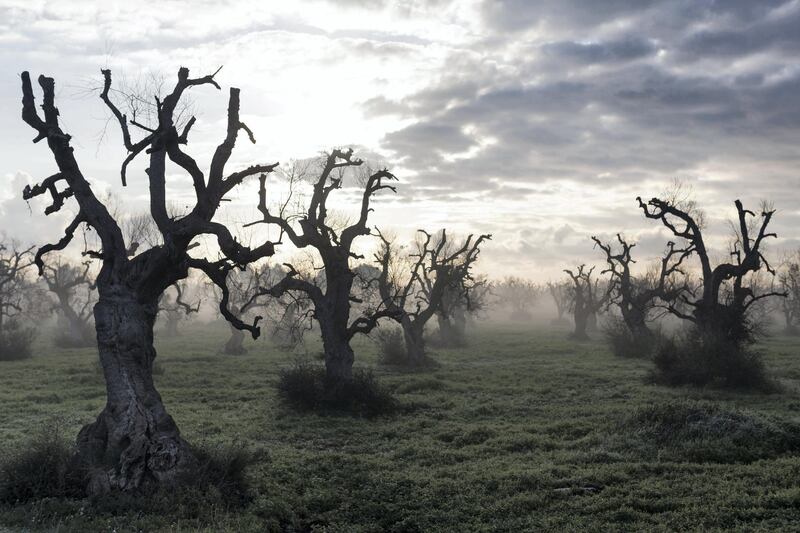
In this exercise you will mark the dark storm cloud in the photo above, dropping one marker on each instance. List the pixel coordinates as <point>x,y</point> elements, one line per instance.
<point>622,50</point>
<point>609,109</point>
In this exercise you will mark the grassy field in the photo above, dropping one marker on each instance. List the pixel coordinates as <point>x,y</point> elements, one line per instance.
<point>521,431</point>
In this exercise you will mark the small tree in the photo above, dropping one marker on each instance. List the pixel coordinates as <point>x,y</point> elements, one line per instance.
<point>637,296</point>
<point>562,296</point>
<point>333,297</point>
<point>15,339</point>
<point>519,295</point>
<point>789,284</point>
<point>586,300</point>
<point>174,307</point>
<point>243,301</point>
<point>413,298</point>
<point>73,288</point>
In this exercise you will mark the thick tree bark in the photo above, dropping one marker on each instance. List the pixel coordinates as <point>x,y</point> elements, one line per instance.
<point>339,355</point>
<point>581,324</point>
<point>413,333</point>
<point>134,437</point>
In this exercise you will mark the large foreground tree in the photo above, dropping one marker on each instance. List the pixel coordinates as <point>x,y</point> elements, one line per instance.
<point>134,441</point>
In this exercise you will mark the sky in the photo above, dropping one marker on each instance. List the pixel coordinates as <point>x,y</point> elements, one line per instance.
<point>538,122</point>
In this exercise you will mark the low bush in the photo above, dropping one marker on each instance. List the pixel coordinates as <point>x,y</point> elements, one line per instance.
<point>391,347</point>
<point>700,359</point>
<point>624,343</point>
<point>306,387</point>
<point>686,430</point>
<point>46,467</point>
<point>392,351</point>
<point>15,341</point>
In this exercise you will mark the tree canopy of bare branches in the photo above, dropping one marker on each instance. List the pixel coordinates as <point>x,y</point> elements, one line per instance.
<point>412,298</point>
<point>585,301</point>
<point>721,304</point>
<point>332,299</point>
<point>73,288</point>
<point>637,296</point>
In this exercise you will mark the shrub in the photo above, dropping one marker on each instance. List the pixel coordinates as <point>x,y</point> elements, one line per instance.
<point>44,467</point>
<point>392,351</point>
<point>698,359</point>
<point>700,431</point>
<point>391,346</point>
<point>306,387</point>
<point>624,343</point>
<point>15,341</point>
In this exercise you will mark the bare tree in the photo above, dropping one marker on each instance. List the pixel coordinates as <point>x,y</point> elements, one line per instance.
<point>789,283</point>
<point>562,296</point>
<point>175,308</point>
<point>244,300</point>
<point>134,430</point>
<point>15,339</point>
<point>585,300</point>
<point>637,296</point>
<point>518,295</point>
<point>413,298</point>
<point>712,311</point>
<point>73,287</point>
<point>332,299</point>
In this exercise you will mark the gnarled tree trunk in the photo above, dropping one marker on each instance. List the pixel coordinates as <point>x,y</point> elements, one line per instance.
<point>133,436</point>
<point>413,334</point>
<point>339,355</point>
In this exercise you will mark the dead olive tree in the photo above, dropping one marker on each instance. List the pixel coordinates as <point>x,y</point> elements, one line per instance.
<point>519,295</point>
<point>789,283</point>
<point>73,287</point>
<point>562,296</point>
<point>637,296</point>
<point>175,308</point>
<point>134,440</point>
<point>243,301</point>
<point>15,338</point>
<point>585,301</point>
<point>716,311</point>
<point>413,298</point>
<point>333,297</point>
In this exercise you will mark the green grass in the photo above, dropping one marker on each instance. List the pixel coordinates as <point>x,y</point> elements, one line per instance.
<point>520,431</point>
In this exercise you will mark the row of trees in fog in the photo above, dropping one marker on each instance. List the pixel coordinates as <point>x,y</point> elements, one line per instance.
<point>139,267</point>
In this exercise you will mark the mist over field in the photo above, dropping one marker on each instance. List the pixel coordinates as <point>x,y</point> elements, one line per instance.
<point>409,265</point>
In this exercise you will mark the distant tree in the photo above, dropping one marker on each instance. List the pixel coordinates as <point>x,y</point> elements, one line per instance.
<point>134,440</point>
<point>562,296</point>
<point>586,300</point>
<point>15,338</point>
<point>174,307</point>
<point>332,298</point>
<point>244,301</point>
<point>415,296</point>
<point>73,287</point>
<point>789,284</point>
<point>638,296</point>
<point>519,295</point>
